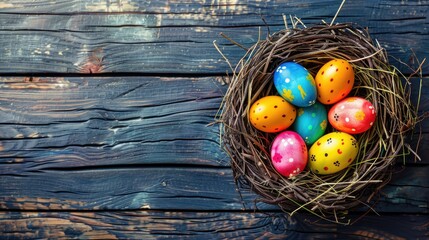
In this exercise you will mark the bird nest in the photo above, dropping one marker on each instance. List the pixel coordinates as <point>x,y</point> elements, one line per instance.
<point>326,196</point>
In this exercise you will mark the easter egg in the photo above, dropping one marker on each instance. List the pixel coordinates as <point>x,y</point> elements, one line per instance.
<point>289,154</point>
<point>352,115</point>
<point>332,153</point>
<point>311,122</point>
<point>334,81</point>
<point>295,84</point>
<point>272,114</point>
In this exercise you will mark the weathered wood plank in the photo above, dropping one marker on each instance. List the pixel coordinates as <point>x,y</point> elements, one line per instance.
<point>177,37</point>
<point>99,122</point>
<point>163,187</point>
<point>203,225</point>
<point>130,143</point>
<point>99,132</point>
<point>23,155</point>
<point>110,121</point>
<point>126,188</point>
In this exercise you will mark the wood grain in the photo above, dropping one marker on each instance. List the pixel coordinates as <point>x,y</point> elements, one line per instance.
<point>202,225</point>
<point>115,121</point>
<point>131,153</point>
<point>176,37</point>
<point>133,142</point>
<point>110,121</point>
<point>169,187</point>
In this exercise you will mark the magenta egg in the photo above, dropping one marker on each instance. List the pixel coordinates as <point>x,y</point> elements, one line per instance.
<point>289,154</point>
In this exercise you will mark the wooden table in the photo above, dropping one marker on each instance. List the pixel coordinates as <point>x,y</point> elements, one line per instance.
<point>105,108</point>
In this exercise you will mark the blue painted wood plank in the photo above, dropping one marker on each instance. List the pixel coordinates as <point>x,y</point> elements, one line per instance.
<point>203,225</point>
<point>164,187</point>
<point>87,153</point>
<point>176,37</point>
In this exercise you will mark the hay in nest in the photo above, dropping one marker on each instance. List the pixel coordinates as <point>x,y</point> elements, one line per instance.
<point>327,196</point>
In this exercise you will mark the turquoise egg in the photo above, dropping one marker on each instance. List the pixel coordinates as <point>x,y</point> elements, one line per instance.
<point>311,122</point>
<point>295,84</point>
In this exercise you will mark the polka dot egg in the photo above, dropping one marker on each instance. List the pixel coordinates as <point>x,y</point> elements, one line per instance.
<point>289,154</point>
<point>332,153</point>
<point>334,81</point>
<point>272,114</point>
<point>352,115</point>
<point>295,84</point>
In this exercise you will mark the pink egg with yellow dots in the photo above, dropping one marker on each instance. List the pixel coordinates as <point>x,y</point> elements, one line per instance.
<point>289,154</point>
<point>352,115</point>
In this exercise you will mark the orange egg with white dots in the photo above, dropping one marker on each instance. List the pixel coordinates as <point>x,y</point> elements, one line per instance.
<point>272,114</point>
<point>334,81</point>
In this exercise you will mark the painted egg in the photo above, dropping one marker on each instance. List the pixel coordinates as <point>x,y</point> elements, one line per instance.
<point>289,154</point>
<point>295,84</point>
<point>334,81</point>
<point>352,115</point>
<point>311,122</point>
<point>332,153</point>
<point>272,114</point>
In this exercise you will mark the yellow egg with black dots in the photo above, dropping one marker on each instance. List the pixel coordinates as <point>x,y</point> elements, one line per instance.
<point>332,153</point>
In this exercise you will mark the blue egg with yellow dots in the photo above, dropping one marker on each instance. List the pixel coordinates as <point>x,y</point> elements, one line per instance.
<point>295,84</point>
<point>311,122</point>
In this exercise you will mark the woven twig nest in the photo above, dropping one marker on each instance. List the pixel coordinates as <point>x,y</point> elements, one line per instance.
<point>327,196</point>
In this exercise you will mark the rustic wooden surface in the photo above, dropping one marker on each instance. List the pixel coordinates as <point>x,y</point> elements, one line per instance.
<point>105,112</point>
